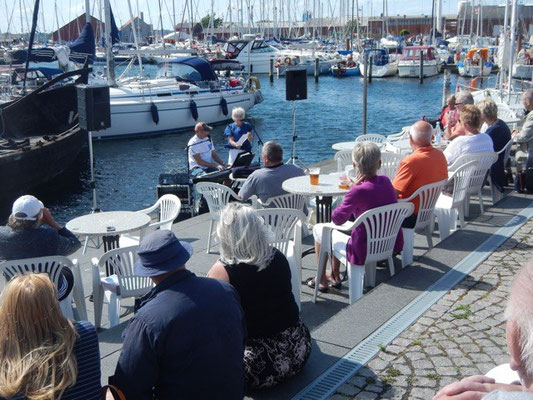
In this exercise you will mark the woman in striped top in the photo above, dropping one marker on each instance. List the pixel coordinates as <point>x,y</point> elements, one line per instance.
<point>43,355</point>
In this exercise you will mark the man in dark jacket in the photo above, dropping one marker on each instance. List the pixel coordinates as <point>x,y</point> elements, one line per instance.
<point>187,339</point>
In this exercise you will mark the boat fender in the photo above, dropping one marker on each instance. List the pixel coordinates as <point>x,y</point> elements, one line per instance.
<point>194,110</point>
<point>473,84</point>
<point>253,83</point>
<point>224,106</point>
<point>155,113</point>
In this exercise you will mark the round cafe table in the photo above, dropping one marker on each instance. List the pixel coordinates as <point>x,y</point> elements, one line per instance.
<point>343,146</point>
<point>108,223</point>
<point>327,188</point>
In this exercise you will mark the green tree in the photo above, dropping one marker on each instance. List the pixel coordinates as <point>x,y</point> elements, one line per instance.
<point>404,32</point>
<point>205,21</point>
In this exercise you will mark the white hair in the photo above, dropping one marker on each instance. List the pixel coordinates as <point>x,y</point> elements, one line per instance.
<point>520,311</point>
<point>421,131</point>
<point>464,97</point>
<point>238,112</point>
<point>243,237</point>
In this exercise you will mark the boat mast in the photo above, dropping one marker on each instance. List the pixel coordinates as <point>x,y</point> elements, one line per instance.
<point>30,45</point>
<point>110,61</point>
<point>471,20</point>
<point>135,36</point>
<point>351,27</point>
<point>505,44</point>
<point>511,52</point>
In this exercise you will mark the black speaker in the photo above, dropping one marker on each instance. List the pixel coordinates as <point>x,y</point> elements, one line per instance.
<point>296,84</point>
<point>94,109</point>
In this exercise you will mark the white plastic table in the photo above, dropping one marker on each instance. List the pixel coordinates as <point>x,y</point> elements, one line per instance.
<point>327,188</point>
<point>343,146</point>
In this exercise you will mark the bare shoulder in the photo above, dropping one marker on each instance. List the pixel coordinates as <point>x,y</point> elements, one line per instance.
<point>218,271</point>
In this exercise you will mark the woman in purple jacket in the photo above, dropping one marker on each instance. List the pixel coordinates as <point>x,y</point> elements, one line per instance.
<point>368,191</point>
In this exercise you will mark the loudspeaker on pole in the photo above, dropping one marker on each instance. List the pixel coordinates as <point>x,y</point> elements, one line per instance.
<point>296,84</point>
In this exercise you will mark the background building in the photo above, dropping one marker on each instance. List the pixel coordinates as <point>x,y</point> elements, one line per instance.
<point>71,31</point>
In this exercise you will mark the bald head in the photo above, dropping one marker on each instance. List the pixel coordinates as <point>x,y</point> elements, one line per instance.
<point>421,133</point>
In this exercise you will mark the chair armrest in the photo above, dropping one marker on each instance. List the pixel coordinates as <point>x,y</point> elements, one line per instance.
<point>94,261</point>
<point>256,203</point>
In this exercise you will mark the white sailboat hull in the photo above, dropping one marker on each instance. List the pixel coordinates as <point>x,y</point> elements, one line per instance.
<point>411,69</point>
<point>522,71</point>
<point>131,111</point>
<point>471,71</point>
<point>380,71</point>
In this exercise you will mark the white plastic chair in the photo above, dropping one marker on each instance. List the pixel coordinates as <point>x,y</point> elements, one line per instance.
<point>382,225</point>
<point>217,196</point>
<point>495,193</point>
<point>343,158</point>
<point>286,228</point>
<point>168,207</point>
<point>400,135</point>
<point>122,284</point>
<point>449,207</point>
<point>389,164</point>
<point>51,265</point>
<point>290,200</point>
<point>427,199</point>
<point>484,162</point>
<point>380,140</point>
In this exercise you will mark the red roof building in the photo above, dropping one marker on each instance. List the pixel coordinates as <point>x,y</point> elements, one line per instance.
<point>71,31</point>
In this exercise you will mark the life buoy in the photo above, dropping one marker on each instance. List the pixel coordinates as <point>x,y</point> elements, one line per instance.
<point>224,106</point>
<point>288,61</point>
<point>253,83</point>
<point>155,113</point>
<point>194,110</point>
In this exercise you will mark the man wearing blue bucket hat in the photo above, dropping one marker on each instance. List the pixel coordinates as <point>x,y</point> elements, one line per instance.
<point>187,339</point>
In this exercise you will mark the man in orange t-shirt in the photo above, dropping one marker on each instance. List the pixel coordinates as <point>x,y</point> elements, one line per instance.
<point>424,166</point>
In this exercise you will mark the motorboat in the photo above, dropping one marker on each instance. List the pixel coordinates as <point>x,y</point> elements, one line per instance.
<point>381,64</point>
<point>409,62</point>
<point>476,63</point>
<point>186,90</point>
<point>345,69</point>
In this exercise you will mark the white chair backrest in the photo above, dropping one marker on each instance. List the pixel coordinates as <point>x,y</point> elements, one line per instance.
<point>484,162</point>
<point>461,178</point>
<point>372,137</point>
<point>51,265</point>
<point>282,223</point>
<point>290,200</point>
<point>389,164</point>
<point>216,195</point>
<point>427,198</point>
<point>506,114</point>
<point>382,225</point>
<point>506,151</point>
<point>122,261</point>
<point>169,209</point>
<point>343,158</point>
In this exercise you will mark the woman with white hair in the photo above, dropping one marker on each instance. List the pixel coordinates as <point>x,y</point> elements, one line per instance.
<point>369,190</point>
<point>278,343</point>
<point>235,133</point>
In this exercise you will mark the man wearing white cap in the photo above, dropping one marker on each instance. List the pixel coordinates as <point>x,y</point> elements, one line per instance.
<point>25,236</point>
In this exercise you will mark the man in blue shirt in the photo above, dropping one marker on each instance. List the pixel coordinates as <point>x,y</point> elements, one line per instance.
<point>187,339</point>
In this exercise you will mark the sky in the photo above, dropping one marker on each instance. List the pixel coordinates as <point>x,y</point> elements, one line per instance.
<point>14,13</point>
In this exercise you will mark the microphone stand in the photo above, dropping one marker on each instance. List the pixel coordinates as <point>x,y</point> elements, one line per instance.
<point>260,142</point>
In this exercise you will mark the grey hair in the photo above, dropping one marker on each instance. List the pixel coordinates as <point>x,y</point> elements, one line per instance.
<point>528,94</point>
<point>464,97</point>
<point>243,237</point>
<point>367,157</point>
<point>238,112</point>
<point>273,151</point>
<point>520,311</point>
<point>421,131</point>
<point>488,109</point>
<point>22,224</point>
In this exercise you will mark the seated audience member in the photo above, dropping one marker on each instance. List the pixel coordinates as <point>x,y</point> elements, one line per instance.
<point>235,131</point>
<point>368,191</point>
<point>524,137</point>
<point>25,236</point>
<point>455,128</point>
<point>448,111</point>
<point>266,182</point>
<point>187,339</point>
<point>424,166</point>
<point>519,316</point>
<point>201,152</point>
<point>500,134</point>
<point>278,343</point>
<point>43,355</point>
<point>473,141</point>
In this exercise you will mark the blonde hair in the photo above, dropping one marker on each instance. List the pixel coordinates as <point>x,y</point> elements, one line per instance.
<point>243,237</point>
<point>36,350</point>
<point>471,116</point>
<point>488,109</point>
<point>367,157</point>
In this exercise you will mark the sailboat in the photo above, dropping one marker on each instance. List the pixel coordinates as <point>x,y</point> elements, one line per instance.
<point>409,62</point>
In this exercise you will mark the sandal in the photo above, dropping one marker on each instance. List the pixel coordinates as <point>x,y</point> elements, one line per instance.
<point>310,282</point>
<point>335,285</point>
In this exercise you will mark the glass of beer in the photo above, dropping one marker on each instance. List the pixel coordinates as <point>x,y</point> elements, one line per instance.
<point>343,184</point>
<point>313,175</point>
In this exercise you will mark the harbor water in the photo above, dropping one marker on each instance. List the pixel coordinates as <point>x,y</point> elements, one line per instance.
<point>127,170</point>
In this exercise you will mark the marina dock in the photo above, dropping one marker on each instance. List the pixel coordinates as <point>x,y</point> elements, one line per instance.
<point>339,330</point>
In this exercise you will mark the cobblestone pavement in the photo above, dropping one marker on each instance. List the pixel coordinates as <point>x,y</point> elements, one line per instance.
<point>461,335</point>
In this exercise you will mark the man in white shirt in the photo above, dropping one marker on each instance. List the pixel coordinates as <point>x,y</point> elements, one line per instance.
<point>201,151</point>
<point>473,141</point>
